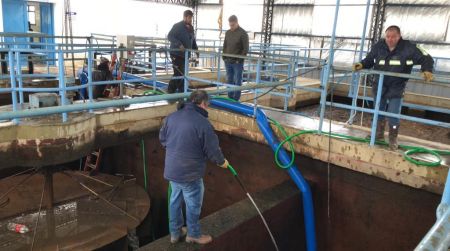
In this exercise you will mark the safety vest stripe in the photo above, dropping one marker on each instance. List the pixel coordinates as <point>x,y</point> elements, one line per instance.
<point>409,62</point>
<point>394,62</point>
<point>425,53</point>
<point>382,62</point>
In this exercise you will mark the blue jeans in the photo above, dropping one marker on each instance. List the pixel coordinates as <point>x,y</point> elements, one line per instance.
<point>192,193</point>
<point>392,105</point>
<point>234,77</point>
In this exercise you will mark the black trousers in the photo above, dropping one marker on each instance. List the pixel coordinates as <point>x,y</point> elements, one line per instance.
<point>177,85</point>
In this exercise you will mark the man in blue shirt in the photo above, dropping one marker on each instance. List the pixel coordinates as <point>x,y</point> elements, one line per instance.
<point>181,37</point>
<point>190,140</point>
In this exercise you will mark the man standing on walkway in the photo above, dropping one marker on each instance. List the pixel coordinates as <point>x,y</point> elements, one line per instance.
<point>189,139</point>
<point>236,42</point>
<point>394,54</point>
<point>181,37</point>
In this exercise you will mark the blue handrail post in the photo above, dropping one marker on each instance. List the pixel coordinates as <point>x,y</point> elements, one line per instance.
<point>287,88</point>
<point>19,76</point>
<point>154,68</point>
<point>186,70</point>
<point>327,70</point>
<point>90,87</point>
<point>377,109</point>
<point>13,83</point>
<point>354,88</point>
<point>62,84</point>
<point>218,65</point>
<point>249,65</point>
<point>258,81</point>
<point>438,237</point>
<point>47,64</point>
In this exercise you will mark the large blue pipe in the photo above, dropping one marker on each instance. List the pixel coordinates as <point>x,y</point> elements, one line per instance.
<point>126,76</point>
<point>263,124</point>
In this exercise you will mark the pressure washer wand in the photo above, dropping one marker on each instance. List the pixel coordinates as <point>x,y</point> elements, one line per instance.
<point>254,204</point>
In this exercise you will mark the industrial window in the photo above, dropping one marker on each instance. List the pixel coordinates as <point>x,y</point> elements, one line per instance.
<point>31,14</point>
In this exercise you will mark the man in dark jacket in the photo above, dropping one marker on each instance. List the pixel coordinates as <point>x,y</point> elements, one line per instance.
<point>394,54</point>
<point>181,37</point>
<point>236,42</point>
<point>190,140</point>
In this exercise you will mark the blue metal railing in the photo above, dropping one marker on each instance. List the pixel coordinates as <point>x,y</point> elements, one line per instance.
<point>277,63</point>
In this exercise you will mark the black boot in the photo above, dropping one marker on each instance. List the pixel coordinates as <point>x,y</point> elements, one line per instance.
<point>379,135</point>
<point>393,133</point>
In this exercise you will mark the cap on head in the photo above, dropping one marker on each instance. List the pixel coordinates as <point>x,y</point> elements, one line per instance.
<point>188,13</point>
<point>199,96</point>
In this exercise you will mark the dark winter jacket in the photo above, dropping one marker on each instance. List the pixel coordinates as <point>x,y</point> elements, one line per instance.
<point>236,42</point>
<point>400,60</point>
<point>181,34</point>
<point>190,140</point>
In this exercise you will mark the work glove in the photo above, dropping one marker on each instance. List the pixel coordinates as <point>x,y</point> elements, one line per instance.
<point>357,67</point>
<point>225,164</point>
<point>428,76</point>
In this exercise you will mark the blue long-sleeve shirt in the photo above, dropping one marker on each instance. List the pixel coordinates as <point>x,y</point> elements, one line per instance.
<point>182,34</point>
<point>190,140</point>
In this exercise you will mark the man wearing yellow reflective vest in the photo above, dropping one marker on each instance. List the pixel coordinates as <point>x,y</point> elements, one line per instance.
<point>394,54</point>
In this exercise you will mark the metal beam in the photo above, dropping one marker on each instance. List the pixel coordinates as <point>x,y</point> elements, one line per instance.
<point>378,13</point>
<point>187,3</point>
<point>267,21</point>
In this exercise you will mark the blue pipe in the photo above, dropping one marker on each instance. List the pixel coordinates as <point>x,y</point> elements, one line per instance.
<point>446,194</point>
<point>263,124</point>
<point>150,82</point>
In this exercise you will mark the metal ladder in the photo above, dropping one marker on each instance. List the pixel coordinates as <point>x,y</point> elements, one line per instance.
<point>92,162</point>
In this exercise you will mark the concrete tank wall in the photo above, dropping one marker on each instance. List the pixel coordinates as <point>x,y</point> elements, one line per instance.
<point>365,212</point>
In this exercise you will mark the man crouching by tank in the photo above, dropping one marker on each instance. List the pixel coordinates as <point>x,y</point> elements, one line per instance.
<point>189,139</point>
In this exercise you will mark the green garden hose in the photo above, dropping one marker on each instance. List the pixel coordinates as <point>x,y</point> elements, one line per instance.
<point>153,92</point>
<point>144,163</point>
<point>407,155</point>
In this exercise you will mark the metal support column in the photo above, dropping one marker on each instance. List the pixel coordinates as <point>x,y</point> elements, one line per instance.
<point>48,176</point>
<point>61,82</point>
<point>19,76</point>
<point>378,14</point>
<point>377,110</point>
<point>327,69</point>
<point>354,88</point>
<point>266,29</point>
<point>13,83</point>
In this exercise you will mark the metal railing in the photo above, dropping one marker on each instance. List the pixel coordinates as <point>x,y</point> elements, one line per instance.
<point>268,69</point>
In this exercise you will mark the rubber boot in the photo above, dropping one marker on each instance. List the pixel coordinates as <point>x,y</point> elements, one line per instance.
<point>379,135</point>
<point>393,133</point>
<point>203,239</point>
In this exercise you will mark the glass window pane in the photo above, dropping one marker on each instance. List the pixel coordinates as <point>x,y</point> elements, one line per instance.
<point>32,17</point>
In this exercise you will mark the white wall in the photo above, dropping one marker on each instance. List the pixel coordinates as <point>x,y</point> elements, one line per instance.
<point>121,17</point>
<point>1,16</point>
<point>115,17</point>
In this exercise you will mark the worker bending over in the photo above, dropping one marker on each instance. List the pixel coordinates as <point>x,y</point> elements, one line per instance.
<point>189,139</point>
